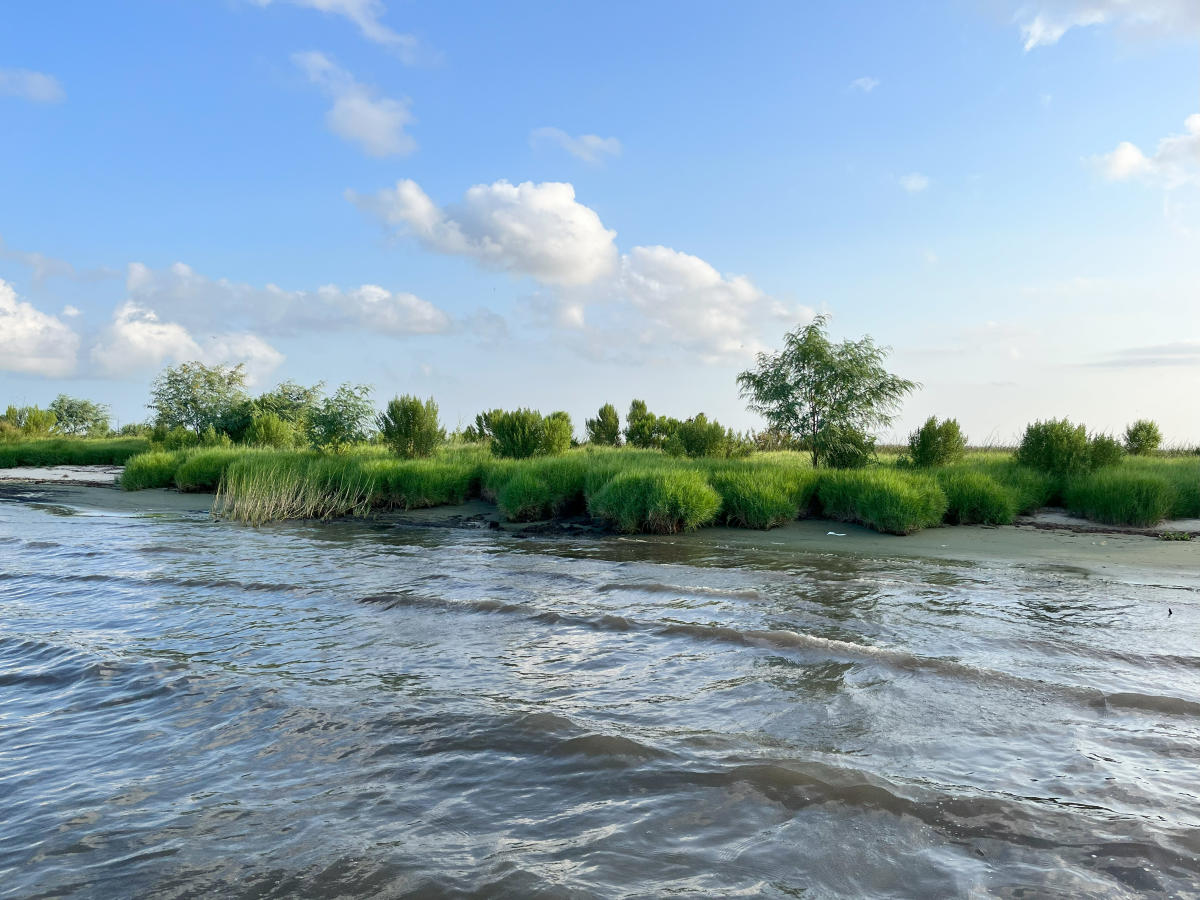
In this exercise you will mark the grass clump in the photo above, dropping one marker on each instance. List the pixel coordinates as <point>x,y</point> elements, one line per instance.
<point>1120,498</point>
<point>71,451</point>
<point>973,498</point>
<point>888,501</point>
<point>658,501</point>
<point>762,497</point>
<point>200,470</point>
<point>151,470</point>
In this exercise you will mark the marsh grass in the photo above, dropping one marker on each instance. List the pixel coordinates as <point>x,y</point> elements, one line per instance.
<point>975,498</point>
<point>155,469</point>
<point>886,500</point>
<point>71,451</point>
<point>656,501</point>
<point>1121,498</point>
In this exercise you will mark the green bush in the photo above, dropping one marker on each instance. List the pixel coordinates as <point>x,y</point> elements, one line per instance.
<point>699,437</point>
<point>155,469</point>
<point>973,498</point>
<point>936,443</point>
<point>1104,451</point>
<point>605,429</point>
<point>557,434</point>
<point>645,430</point>
<point>269,430</point>
<point>410,427</point>
<point>660,502</point>
<point>516,434</point>
<point>1056,447</point>
<point>846,448</point>
<point>887,501</point>
<point>342,419</point>
<point>1120,498</point>
<point>1142,437</point>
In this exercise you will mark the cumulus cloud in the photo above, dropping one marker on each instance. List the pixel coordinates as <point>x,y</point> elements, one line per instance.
<point>914,182</point>
<point>366,15</point>
<point>1044,23</point>
<point>591,148</point>
<point>1175,163</point>
<point>358,113</point>
<point>138,339</point>
<point>866,84</point>
<point>531,229</point>
<point>36,87</point>
<point>32,341</point>
<point>199,302</point>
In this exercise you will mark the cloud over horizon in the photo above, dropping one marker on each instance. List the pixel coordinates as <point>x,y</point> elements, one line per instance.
<point>31,341</point>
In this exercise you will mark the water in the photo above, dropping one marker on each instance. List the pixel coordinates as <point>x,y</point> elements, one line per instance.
<point>193,708</point>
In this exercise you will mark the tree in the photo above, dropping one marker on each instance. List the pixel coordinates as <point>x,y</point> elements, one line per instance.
<point>936,443</point>
<point>646,430</point>
<point>1142,437</point>
<point>410,426</point>
<point>75,416</point>
<point>290,400</point>
<point>193,395</point>
<point>32,421</point>
<point>605,429</point>
<point>342,419</point>
<point>823,393</point>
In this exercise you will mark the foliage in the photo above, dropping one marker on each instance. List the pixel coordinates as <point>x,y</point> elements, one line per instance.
<point>155,469</point>
<point>201,470</point>
<point>1142,437</point>
<point>557,434</point>
<point>341,419</point>
<point>410,427</point>
<point>822,392</point>
<point>71,451</point>
<point>763,497</point>
<point>267,429</point>
<point>1104,451</point>
<point>29,421</point>
<point>76,417</point>
<point>196,396</point>
<point>516,434</point>
<point>645,430</point>
<point>845,448</point>
<point>290,401</point>
<point>974,498</point>
<point>1056,447</point>
<point>936,443</point>
<point>605,429</point>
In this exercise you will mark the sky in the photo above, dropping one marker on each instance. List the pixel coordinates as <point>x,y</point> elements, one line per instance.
<point>558,205</point>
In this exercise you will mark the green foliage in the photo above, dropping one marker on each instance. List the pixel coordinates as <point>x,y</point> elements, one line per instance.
<point>290,401</point>
<point>342,419</point>
<point>605,429</point>
<point>267,429</point>
<point>1104,451</point>
<point>516,434</point>
<point>936,443</point>
<point>1142,437</point>
<point>28,422</point>
<point>155,469</point>
<point>974,498</point>
<point>699,437</point>
<point>888,501</point>
<point>645,430</point>
<point>1056,447</point>
<point>845,448</point>
<point>820,392</point>
<point>763,496</point>
<point>71,452</point>
<point>557,434</point>
<point>1120,498</point>
<point>656,501</point>
<point>196,396</point>
<point>200,470</point>
<point>410,427</point>
<point>76,417</point>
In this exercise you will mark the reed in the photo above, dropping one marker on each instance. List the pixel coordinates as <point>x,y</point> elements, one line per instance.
<point>71,451</point>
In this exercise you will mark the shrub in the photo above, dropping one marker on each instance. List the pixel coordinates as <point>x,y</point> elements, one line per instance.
<point>605,429</point>
<point>661,501</point>
<point>342,419</point>
<point>1120,498</point>
<point>269,430</point>
<point>1104,451</point>
<point>973,498</point>
<point>1142,437</point>
<point>410,427</point>
<point>1055,446</point>
<point>845,448</point>
<point>699,437</point>
<point>891,502</point>
<point>177,438</point>
<point>936,443</point>
<point>557,434</point>
<point>645,430</point>
<point>31,420</point>
<point>516,434</point>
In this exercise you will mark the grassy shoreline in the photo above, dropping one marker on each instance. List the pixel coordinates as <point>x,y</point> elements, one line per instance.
<point>650,492</point>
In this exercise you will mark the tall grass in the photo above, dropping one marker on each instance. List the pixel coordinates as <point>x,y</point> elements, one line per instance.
<point>886,500</point>
<point>71,452</point>
<point>657,501</point>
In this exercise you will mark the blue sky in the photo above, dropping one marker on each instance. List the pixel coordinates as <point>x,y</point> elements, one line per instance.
<point>559,205</point>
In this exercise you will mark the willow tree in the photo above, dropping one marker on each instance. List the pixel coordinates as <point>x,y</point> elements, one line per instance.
<point>826,395</point>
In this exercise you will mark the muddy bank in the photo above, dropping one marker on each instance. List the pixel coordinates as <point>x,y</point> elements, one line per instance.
<point>79,475</point>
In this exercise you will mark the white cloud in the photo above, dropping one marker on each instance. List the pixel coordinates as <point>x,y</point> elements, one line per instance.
<point>32,341</point>
<point>591,148</point>
<point>1175,163</point>
<point>914,182</point>
<point>36,87</point>
<point>530,229</point>
<point>1044,23</point>
<point>366,15</point>
<point>866,84</point>
<point>358,114</point>
<point>45,267</point>
<point>138,339</point>
<point>199,302</point>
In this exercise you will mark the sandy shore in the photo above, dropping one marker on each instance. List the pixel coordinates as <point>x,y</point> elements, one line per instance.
<point>87,475</point>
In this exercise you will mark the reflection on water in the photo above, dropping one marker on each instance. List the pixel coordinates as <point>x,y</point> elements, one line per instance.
<point>189,707</point>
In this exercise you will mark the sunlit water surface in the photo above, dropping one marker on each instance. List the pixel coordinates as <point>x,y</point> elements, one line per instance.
<point>195,708</point>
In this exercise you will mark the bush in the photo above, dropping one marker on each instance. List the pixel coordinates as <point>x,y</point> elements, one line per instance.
<point>341,420</point>
<point>557,434</point>
<point>605,429</point>
<point>658,501</point>
<point>891,502</point>
<point>516,434</point>
<point>1104,451</point>
<point>645,430</point>
<point>936,443</point>
<point>410,427</point>
<point>269,430</point>
<point>1120,498</point>
<point>699,437</point>
<point>1142,437</point>
<point>973,498</point>
<point>846,448</point>
<point>32,421</point>
<point>1056,447</point>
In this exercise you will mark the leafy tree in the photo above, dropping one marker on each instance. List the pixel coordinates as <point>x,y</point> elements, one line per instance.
<point>342,419</point>
<point>291,401</point>
<point>516,434</point>
<point>646,430</point>
<point>936,443</point>
<point>410,426</point>
<point>1056,446</point>
<point>699,437</point>
<point>269,430</point>
<point>824,393</point>
<point>193,395</point>
<point>1142,437</point>
<point>557,434</point>
<point>75,416</point>
<point>605,429</point>
<point>31,421</point>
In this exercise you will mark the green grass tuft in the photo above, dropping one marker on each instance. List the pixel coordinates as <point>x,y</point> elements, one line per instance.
<point>1121,498</point>
<point>885,500</point>
<point>658,501</point>
<point>71,452</point>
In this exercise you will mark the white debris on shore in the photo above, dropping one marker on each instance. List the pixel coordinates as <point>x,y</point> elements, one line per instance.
<point>90,475</point>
